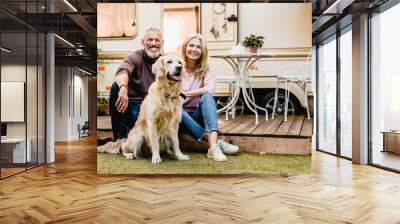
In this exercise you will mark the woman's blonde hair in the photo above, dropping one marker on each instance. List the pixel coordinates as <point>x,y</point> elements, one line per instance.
<point>202,63</point>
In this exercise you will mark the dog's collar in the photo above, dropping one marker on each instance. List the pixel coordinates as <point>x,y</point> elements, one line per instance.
<point>183,96</point>
<point>167,95</point>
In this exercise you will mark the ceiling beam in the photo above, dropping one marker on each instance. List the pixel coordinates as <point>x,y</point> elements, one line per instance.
<point>337,7</point>
<point>81,61</point>
<point>83,23</point>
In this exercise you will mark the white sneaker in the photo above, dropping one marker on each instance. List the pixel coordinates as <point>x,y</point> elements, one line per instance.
<point>215,153</point>
<point>228,148</point>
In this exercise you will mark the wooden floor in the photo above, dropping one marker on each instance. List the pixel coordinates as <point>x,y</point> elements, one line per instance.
<point>386,159</point>
<point>10,171</point>
<point>70,191</point>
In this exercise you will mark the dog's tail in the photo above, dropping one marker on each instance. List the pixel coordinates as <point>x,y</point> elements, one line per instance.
<point>111,147</point>
<point>134,143</point>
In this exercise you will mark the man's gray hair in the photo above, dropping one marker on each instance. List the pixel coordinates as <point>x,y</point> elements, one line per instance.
<point>153,29</point>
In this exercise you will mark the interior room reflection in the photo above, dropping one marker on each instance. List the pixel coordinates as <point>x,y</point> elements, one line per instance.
<point>385,89</point>
<point>22,97</point>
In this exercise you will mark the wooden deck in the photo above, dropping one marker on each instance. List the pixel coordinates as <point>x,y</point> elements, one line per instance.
<point>273,136</point>
<point>296,126</point>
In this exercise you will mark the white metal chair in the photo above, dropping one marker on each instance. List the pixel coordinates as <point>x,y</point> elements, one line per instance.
<point>231,86</point>
<point>300,75</point>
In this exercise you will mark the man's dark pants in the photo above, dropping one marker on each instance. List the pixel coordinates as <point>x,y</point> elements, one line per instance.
<point>122,123</point>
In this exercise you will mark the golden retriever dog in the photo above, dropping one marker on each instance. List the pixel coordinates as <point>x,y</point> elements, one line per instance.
<point>160,114</point>
<point>111,147</point>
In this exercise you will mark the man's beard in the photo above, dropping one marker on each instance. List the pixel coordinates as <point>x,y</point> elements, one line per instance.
<point>152,54</point>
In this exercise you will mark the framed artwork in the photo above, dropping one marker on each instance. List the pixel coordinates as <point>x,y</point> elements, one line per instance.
<point>217,27</point>
<point>116,20</point>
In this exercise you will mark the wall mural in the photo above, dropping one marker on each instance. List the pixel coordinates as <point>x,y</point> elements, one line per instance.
<point>257,152</point>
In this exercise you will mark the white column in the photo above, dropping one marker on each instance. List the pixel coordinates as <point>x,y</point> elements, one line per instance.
<point>360,90</point>
<point>314,90</point>
<point>50,99</point>
<point>50,92</point>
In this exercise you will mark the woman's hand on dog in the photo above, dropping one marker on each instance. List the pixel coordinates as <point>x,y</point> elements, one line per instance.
<point>122,101</point>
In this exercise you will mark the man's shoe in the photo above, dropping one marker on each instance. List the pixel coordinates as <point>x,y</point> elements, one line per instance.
<point>215,153</point>
<point>228,148</point>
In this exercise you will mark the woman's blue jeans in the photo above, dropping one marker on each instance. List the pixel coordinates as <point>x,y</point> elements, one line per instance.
<point>205,114</point>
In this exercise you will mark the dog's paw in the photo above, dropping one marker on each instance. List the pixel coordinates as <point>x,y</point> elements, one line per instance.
<point>155,159</point>
<point>129,155</point>
<point>107,148</point>
<point>136,154</point>
<point>183,157</point>
<point>169,152</point>
<point>114,150</point>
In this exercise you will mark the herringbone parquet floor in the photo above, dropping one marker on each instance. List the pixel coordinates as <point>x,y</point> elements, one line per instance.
<point>70,191</point>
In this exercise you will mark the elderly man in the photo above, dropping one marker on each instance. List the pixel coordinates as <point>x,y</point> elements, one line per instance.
<point>132,82</point>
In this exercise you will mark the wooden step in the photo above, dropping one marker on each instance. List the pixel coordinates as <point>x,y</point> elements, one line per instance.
<point>275,145</point>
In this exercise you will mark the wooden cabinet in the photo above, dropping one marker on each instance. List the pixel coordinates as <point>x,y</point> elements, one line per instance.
<point>391,142</point>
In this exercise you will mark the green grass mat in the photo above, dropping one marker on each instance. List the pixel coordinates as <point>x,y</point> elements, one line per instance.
<point>243,163</point>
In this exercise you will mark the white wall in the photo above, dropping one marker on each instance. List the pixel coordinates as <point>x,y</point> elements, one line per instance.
<point>33,126</point>
<point>61,103</point>
<point>15,72</point>
<point>283,25</point>
<point>80,83</point>
<point>67,116</point>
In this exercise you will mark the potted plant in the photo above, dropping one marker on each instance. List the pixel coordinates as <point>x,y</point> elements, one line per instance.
<point>100,61</point>
<point>252,42</point>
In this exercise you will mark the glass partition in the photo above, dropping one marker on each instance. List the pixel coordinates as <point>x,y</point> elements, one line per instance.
<point>31,97</point>
<point>41,97</point>
<point>22,64</point>
<point>346,93</point>
<point>14,153</point>
<point>327,96</point>
<point>385,89</point>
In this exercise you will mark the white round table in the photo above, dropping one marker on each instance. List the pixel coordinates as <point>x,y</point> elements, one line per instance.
<point>241,64</point>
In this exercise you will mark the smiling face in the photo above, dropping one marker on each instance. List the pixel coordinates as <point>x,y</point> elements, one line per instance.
<point>173,68</point>
<point>193,49</point>
<point>169,67</point>
<point>152,43</point>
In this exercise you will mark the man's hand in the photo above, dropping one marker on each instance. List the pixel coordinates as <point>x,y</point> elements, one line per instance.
<point>122,101</point>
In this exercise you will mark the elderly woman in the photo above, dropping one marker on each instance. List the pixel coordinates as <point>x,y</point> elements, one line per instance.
<point>199,107</point>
